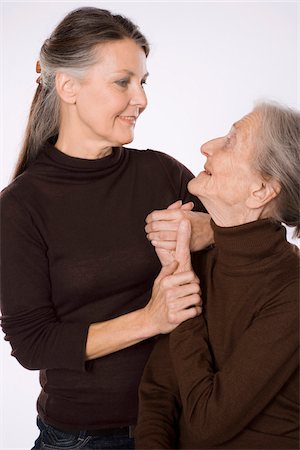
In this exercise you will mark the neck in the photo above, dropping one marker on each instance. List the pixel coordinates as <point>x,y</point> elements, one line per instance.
<point>249,247</point>
<point>81,148</point>
<point>77,141</point>
<point>232,215</point>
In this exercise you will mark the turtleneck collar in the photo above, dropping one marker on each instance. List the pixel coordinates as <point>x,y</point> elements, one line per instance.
<point>73,167</point>
<point>251,243</point>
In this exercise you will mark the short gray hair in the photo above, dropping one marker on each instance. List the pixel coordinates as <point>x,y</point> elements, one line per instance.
<point>278,157</point>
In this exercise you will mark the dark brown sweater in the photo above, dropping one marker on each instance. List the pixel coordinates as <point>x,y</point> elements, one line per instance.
<point>74,252</point>
<point>229,379</point>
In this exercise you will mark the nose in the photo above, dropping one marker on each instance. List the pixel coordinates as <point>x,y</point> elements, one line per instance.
<point>209,147</point>
<point>139,98</point>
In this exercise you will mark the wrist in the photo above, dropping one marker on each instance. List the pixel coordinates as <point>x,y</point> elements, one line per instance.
<point>147,324</point>
<point>202,232</point>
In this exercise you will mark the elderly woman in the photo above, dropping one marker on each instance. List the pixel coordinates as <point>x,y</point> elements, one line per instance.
<point>229,378</point>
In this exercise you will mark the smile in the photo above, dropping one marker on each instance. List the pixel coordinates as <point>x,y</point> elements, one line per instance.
<point>128,119</point>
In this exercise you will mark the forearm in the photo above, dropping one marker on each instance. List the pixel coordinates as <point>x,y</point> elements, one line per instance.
<point>219,404</point>
<point>174,299</point>
<point>119,333</point>
<point>39,341</point>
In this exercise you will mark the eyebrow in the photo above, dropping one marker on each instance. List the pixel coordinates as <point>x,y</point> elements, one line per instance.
<point>129,72</point>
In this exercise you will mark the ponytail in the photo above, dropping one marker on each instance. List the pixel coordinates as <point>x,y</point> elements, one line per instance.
<point>43,123</point>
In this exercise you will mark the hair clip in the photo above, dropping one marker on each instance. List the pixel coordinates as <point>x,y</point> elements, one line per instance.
<point>38,70</point>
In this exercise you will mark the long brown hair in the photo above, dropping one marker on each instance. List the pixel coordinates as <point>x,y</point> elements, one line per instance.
<point>71,47</point>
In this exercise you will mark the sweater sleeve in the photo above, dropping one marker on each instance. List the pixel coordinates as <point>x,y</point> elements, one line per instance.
<point>38,338</point>
<point>218,404</point>
<point>158,401</point>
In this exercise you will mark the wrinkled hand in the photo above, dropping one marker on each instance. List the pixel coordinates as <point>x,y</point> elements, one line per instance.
<point>182,251</point>
<point>162,226</point>
<point>162,229</point>
<point>176,291</point>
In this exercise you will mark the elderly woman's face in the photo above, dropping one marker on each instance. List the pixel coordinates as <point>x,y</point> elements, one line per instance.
<point>229,173</point>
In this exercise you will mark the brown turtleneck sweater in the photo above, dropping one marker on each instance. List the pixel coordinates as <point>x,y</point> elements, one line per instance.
<point>229,379</point>
<point>74,252</point>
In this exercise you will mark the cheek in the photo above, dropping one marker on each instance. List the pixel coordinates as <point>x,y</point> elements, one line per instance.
<point>235,189</point>
<point>95,110</point>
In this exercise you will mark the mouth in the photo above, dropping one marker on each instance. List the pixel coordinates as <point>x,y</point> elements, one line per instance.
<point>129,120</point>
<point>207,171</point>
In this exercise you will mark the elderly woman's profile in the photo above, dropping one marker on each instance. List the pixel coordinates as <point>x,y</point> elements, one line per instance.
<point>229,378</point>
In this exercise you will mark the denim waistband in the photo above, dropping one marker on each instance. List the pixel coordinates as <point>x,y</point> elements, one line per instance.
<point>120,431</point>
<point>127,431</point>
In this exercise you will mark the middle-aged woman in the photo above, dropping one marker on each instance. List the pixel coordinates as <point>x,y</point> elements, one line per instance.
<point>77,300</point>
<point>229,378</point>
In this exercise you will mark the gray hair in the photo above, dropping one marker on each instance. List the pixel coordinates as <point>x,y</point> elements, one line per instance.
<point>71,48</point>
<point>278,157</point>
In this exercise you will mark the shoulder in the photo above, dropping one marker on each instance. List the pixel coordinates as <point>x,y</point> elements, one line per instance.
<point>295,251</point>
<point>12,207</point>
<point>280,288</point>
<point>289,262</point>
<point>18,197</point>
<point>158,159</point>
<point>15,191</point>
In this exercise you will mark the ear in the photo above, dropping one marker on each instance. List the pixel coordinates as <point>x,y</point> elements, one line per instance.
<point>67,87</point>
<point>262,193</point>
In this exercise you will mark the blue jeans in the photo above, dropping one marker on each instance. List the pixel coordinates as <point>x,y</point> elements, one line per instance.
<point>51,438</point>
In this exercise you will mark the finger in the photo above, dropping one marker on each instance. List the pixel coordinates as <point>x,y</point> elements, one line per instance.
<point>190,313</point>
<point>187,206</point>
<point>175,205</point>
<point>185,302</point>
<point>178,293</point>
<point>166,271</point>
<point>164,214</point>
<point>182,253</point>
<point>162,236</point>
<point>179,278</point>
<point>182,316</point>
<point>161,225</point>
<point>166,245</point>
<point>186,290</point>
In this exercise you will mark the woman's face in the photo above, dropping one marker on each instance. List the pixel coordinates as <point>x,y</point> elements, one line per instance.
<point>229,174</point>
<point>111,96</point>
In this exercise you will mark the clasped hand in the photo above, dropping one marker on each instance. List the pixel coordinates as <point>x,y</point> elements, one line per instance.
<point>162,225</point>
<point>176,291</point>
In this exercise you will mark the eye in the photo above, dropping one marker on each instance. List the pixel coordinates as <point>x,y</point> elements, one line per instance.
<point>123,82</point>
<point>143,82</point>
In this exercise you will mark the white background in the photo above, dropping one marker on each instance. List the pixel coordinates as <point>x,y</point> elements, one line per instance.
<point>209,62</point>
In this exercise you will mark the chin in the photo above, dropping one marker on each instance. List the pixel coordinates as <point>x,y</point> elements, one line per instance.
<point>125,140</point>
<point>192,187</point>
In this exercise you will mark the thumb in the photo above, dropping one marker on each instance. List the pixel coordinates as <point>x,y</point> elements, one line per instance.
<point>169,269</point>
<point>182,253</point>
